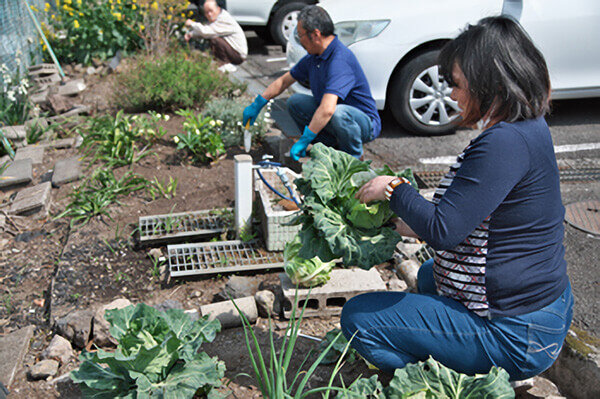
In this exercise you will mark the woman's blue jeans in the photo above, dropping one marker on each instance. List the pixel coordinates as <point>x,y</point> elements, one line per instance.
<point>347,130</point>
<point>396,328</point>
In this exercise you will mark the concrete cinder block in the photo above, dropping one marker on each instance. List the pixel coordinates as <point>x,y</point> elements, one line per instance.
<point>13,348</point>
<point>41,97</point>
<point>328,299</point>
<point>228,315</point>
<point>18,172</point>
<point>32,199</point>
<point>35,153</point>
<point>42,69</point>
<point>47,80</point>
<point>66,171</point>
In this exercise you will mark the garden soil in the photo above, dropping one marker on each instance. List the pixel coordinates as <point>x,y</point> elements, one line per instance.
<point>48,269</point>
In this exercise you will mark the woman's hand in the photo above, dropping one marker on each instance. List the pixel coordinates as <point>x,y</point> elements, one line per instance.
<point>189,22</point>
<point>374,190</point>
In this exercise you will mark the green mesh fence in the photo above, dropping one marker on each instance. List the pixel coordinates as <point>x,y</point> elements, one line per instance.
<point>19,39</point>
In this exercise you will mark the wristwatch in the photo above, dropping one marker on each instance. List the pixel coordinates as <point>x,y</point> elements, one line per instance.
<point>392,185</point>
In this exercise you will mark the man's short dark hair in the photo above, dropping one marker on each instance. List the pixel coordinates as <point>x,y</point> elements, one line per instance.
<point>504,70</point>
<point>314,17</point>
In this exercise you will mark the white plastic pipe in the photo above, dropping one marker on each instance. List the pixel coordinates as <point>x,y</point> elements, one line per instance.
<point>243,191</point>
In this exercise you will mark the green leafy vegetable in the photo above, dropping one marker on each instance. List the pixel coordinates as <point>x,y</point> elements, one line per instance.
<point>430,379</point>
<point>305,272</point>
<point>334,223</point>
<point>339,347</point>
<point>158,355</point>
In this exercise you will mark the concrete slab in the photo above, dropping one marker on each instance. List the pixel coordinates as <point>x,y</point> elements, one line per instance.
<point>72,87</point>
<point>14,132</point>
<point>329,299</point>
<point>32,199</point>
<point>13,348</point>
<point>66,171</point>
<point>41,123</point>
<point>41,97</point>
<point>77,110</point>
<point>33,152</point>
<point>60,143</point>
<point>18,172</point>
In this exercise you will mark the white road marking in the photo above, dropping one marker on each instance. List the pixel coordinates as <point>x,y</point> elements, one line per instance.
<point>276,59</point>
<point>450,159</point>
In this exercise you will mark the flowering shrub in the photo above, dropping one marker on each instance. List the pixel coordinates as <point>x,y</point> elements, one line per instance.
<point>98,28</point>
<point>229,110</point>
<point>201,137</point>
<point>14,103</point>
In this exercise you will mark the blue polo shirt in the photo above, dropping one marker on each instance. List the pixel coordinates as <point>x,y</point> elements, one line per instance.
<point>338,72</point>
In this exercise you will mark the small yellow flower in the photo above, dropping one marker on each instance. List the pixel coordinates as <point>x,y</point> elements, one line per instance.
<point>53,16</point>
<point>79,2</point>
<point>46,7</point>
<point>176,139</point>
<point>76,24</point>
<point>133,7</point>
<point>57,3</point>
<point>154,6</point>
<point>142,27</point>
<point>33,8</point>
<point>117,15</point>
<point>68,1</point>
<point>169,17</point>
<point>70,13</point>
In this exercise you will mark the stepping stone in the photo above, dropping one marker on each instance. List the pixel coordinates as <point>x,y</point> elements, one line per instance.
<point>34,152</point>
<point>72,87</point>
<point>32,199</point>
<point>14,132</point>
<point>60,143</point>
<point>13,348</point>
<point>66,171</point>
<point>328,299</point>
<point>18,172</point>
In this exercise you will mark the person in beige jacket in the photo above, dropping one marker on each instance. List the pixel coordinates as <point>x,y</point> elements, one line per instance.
<point>227,40</point>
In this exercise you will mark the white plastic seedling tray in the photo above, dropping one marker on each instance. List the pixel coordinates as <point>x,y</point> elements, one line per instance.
<point>198,224</point>
<point>220,257</point>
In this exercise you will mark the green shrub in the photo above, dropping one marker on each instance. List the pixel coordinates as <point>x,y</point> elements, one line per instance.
<point>201,137</point>
<point>179,79</point>
<point>229,111</point>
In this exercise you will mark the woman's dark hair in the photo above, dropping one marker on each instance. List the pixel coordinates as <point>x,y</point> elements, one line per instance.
<point>506,74</point>
<point>314,17</point>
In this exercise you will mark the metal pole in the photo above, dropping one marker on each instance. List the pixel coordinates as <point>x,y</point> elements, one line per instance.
<point>41,32</point>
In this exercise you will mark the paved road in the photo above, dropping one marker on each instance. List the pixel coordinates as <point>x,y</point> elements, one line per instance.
<point>574,124</point>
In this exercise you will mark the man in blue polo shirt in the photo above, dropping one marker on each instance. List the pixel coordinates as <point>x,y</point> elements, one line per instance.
<point>341,113</point>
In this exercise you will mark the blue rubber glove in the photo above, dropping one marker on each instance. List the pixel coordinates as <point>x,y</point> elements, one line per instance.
<point>299,148</point>
<point>252,110</point>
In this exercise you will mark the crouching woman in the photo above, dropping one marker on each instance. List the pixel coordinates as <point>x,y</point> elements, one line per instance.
<point>496,292</point>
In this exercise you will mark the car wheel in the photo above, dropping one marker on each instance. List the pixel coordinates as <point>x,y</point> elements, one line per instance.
<point>419,97</point>
<point>284,22</point>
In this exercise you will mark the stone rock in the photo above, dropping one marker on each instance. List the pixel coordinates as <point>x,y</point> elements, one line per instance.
<point>13,348</point>
<point>169,304</point>
<point>90,70</point>
<point>542,389</point>
<point>227,313</point>
<point>66,387</point>
<point>395,284</point>
<point>155,253</point>
<point>44,369</point>
<point>265,301</point>
<point>408,270</point>
<point>59,348</point>
<point>76,327</point>
<point>408,250</point>
<point>239,287</point>
<point>196,294</point>
<point>102,336</point>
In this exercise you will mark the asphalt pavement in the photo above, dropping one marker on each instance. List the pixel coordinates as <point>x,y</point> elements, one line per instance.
<point>575,129</point>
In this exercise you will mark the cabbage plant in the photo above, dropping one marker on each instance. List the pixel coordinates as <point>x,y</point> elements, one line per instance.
<point>334,223</point>
<point>305,272</point>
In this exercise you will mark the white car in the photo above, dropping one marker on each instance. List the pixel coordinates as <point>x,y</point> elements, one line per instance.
<point>397,44</point>
<point>278,16</point>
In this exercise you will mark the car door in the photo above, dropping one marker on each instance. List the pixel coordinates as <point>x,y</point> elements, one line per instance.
<point>250,12</point>
<point>568,34</point>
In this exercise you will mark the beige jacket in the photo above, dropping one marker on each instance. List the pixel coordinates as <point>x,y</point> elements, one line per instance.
<point>227,28</point>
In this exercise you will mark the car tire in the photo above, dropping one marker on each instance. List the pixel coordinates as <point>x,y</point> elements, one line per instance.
<point>283,21</point>
<point>421,105</point>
